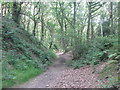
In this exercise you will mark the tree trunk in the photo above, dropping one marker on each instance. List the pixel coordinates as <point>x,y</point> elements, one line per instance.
<point>34,30</point>
<point>42,27</point>
<point>16,11</point>
<point>92,30</point>
<point>74,19</point>
<point>119,26</point>
<point>74,26</point>
<point>2,8</point>
<point>101,27</point>
<point>111,18</point>
<point>28,24</point>
<point>89,19</point>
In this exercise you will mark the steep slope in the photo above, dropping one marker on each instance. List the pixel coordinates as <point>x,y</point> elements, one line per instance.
<point>22,53</point>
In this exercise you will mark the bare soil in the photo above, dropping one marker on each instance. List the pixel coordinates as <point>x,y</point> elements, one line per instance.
<point>60,76</point>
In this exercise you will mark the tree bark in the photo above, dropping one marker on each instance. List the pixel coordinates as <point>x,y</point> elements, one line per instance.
<point>92,30</point>
<point>16,11</point>
<point>74,26</point>
<point>34,30</point>
<point>42,26</point>
<point>101,27</point>
<point>119,26</point>
<point>111,18</point>
<point>89,20</point>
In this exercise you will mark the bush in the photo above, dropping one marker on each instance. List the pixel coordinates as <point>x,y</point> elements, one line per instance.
<point>94,51</point>
<point>100,42</point>
<point>76,64</point>
<point>98,51</point>
<point>80,50</point>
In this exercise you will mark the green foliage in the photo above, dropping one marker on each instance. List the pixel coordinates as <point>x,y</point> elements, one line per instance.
<point>112,61</point>
<point>23,50</point>
<point>112,55</point>
<point>76,63</point>
<point>102,41</point>
<point>93,55</point>
<point>80,50</point>
<point>111,72</point>
<point>117,57</point>
<point>112,82</point>
<point>17,70</point>
<point>95,51</point>
<point>106,28</point>
<point>23,55</point>
<point>51,54</point>
<point>18,76</point>
<point>98,48</point>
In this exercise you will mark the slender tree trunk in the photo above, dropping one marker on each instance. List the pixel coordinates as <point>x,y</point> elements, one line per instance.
<point>89,20</point>
<point>5,10</point>
<point>52,39</point>
<point>35,22</point>
<point>74,19</point>
<point>88,27</point>
<point>65,33</point>
<point>75,41</point>
<point>92,30</point>
<point>111,18</point>
<point>62,29</point>
<point>119,26</point>
<point>34,30</point>
<point>42,27</point>
<point>62,26</point>
<point>74,24</point>
<point>2,8</point>
<point>16,11</point>
<point>51,43</point>
<point>101,27</point>
<point>24,22</point>
<point>61,22</point>
<point>28,24</point>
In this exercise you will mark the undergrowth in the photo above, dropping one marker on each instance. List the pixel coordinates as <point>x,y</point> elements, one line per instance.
<point>101,49</point>
<point>110,74</point>
<point>94,52</point>
<point>23,56</point>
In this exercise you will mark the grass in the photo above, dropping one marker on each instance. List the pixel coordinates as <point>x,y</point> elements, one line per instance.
<point>22,76</point>
<point>19,71</point>
<point>23,56</point>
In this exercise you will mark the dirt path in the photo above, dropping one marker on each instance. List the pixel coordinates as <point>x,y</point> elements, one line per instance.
<point>60,76</point>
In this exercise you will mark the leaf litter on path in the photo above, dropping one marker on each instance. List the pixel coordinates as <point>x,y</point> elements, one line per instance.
<point>60,76</point>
